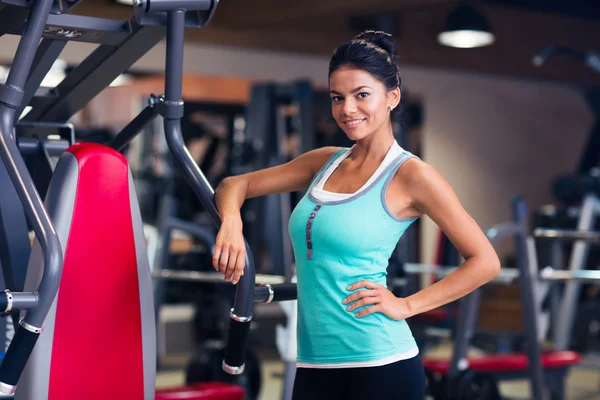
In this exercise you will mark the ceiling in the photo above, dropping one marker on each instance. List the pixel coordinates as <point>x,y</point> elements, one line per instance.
<point>522,28</point>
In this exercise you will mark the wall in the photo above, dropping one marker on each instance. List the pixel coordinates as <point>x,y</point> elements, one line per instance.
<point>495,138</point>
<point>491,137</point>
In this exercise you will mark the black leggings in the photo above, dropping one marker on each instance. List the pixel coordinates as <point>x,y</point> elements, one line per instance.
<point>404,379</point>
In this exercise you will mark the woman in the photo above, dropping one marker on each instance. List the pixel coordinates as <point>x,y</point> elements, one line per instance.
<point>353,340</point>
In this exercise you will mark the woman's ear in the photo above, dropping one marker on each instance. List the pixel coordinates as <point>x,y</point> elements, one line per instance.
<point>394,98</point>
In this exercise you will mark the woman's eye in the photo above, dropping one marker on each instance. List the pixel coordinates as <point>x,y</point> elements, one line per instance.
<point>363,95</point>
<point>336,99</point>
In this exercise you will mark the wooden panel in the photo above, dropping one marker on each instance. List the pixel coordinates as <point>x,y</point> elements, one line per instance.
<point>202,88</point>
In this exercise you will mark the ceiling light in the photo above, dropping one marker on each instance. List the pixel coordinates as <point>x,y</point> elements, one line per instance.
<point>466,28</point>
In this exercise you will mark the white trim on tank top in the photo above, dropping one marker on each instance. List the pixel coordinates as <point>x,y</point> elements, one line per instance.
<point>324,195</point>
<point>375,363</point>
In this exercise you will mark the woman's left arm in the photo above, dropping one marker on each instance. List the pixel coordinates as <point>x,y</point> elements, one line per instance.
<point>432,195</point>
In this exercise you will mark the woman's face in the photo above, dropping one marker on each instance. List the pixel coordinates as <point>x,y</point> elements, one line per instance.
<point>360,102</point>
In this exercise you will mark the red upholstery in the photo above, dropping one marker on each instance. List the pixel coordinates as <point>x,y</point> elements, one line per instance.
<point>506,362</point>
<point>203,391</point>
<point>97,348</point>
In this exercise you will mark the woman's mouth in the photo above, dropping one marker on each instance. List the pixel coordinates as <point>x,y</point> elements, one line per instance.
<point>353,123</point>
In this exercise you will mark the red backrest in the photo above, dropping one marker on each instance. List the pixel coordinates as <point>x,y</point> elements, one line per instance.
<point>99,338</point>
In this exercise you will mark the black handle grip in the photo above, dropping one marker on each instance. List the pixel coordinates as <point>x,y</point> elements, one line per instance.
<point>269,293</point>
<point>16,356</point>
<point>285,292</point>
<point>235,351</point>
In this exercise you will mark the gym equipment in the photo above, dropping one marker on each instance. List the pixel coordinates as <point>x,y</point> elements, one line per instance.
<point>38,304</point>
<point>581,189</point>
<point>506,366</point>
<point>90,198</point>
<point>586,329</point>
<point>583,238</point>
<point>39,144</point>
<point>552,365</point>
<point>206,367</point>
<point>470,385</point>
<point>203,391</point>
<point>564,234</point>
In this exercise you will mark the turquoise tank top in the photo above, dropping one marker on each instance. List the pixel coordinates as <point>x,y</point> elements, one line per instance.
<point>336,244</point>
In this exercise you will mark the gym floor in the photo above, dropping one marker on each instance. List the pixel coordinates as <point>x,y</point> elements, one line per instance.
<point>583,382</point>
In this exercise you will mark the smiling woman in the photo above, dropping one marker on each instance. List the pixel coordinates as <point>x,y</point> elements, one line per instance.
<point>353,340</point>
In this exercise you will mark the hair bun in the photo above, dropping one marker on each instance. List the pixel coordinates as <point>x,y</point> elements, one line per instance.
<point>380,39</point>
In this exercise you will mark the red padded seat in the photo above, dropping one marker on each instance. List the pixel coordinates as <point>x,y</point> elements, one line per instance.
<point>203,391</point>
<point>506,362</point>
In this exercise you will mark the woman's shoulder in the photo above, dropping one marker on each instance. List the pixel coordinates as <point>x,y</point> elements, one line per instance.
<point>414,171</point>
<point>318,157</point>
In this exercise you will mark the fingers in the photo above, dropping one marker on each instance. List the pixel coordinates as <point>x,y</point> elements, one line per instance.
<point>235,254</point>
<point>230,261</point>
<point>364,283</point>
<point>368,310</point>
<point>239,267</point>
<point>361,294</point>
<point>364,302</point>
<point>216,256</point>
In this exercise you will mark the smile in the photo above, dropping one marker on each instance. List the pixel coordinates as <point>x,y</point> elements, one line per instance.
<point>353,123</point>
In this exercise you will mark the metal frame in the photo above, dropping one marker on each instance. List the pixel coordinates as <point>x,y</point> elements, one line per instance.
<point>121,44</point>
<point>93,75</point>
<point>584,237</point>
<point>517,229</point>
<point>533,286</point>
<point>11,96</point>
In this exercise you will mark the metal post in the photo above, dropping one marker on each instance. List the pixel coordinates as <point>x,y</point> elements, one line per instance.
<point>11,96</point>
<point>579,254</point>
<point>127,134</point>
<point>526,279</point>
<point>467,322</point>
<point>172,111</point>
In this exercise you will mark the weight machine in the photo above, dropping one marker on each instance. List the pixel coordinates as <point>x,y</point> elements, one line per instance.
<point>581,189</point>
<point>465,378</point>
<point>99,171</point>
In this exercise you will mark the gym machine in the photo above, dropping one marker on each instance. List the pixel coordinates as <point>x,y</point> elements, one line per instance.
<point>464,378</point>
<point>576,311</point>
<point>40,144</point>
<point>120,44</point>
<point>569,307</point>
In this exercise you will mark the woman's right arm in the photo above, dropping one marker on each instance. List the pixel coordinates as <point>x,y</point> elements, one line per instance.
<point>229,255</point>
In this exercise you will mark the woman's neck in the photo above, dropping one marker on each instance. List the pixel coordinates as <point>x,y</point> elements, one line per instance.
<point>373,147</point>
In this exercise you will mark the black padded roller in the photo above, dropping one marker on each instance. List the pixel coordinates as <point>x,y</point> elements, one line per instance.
<point>237,343</point>
<point>17,355</point>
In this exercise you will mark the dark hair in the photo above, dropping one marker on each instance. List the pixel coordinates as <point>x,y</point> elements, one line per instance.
<point>371,51</point>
